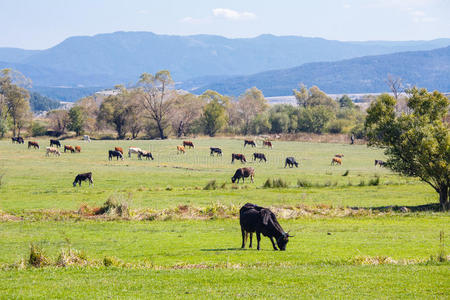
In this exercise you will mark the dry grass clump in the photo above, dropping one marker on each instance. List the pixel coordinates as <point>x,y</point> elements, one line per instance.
<point>71,257</point>
<point>37,257</point>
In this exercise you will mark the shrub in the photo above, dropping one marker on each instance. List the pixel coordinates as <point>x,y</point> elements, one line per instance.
<point>275,183</point>
<point>336,126</point>
<point>38,129</point>
<point>374,181</point>
<point>303,183</point>
<point>115,207</point>
<point>212,185</point>
<point>37,257</point>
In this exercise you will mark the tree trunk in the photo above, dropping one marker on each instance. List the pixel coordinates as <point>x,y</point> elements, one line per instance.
<point>161,130</point>
<point>444,197</point>
<point>14,127</point>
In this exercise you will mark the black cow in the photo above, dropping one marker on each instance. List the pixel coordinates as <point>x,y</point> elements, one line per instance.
<point>243,173</point>
<point>249,142</point>
<point>215,150</point>
<point>254,218</point>
<point>83,177</point>
<point>55,142</point>
<point>291,162</point>
<point>18,139</point>
<point>260,156</point>
<point>117,154</point>
<point>240,157</point>
<point>380,163</point>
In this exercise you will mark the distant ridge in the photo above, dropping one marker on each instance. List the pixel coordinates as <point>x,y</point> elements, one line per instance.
<point>429,69</point>
<point>120,57</point>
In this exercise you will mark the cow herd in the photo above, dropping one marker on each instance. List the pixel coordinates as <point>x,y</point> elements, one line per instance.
<point>253,218</point>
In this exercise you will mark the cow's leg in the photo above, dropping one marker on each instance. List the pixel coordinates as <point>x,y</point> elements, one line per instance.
<point>251,177</point>
<point>258,238</point>
<point>273,244</point>
<point>244,236</point>
<point>251,239</point>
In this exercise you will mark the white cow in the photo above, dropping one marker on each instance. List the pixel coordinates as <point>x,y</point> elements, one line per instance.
<point>53,151</point>
<point>86,138</point>
<point>135,150</point>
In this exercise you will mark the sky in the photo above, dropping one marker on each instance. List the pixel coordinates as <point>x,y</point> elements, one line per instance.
<point>41,24</point>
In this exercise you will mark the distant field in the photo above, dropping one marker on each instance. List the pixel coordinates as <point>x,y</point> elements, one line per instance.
<point>201,258</point>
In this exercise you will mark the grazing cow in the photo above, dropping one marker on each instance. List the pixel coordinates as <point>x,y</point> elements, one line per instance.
<point>188,144</point>
<point>114,153</point>
<point>268,144</point>
<point>291,162</point>
<point>260,156</point>
<point>77,149</point>
<point>55,143</point>
<point>249,142</point>
<point>380,163</point>
<point>53,151</point>
<point>69,148</point>
<point>180,149</point>
<point>146,154</point>
<point>133,150</point>
<point>86,138</point>
<point>243,173</point>
<point>254,218</point>
<point>120,149</point>
<point>18,140</point>
<point>215,150</point>
<point>240,157</point>
<point>339,155</point>
<point>35,145</point>
<point>336,160</point>
<point>83,177</point>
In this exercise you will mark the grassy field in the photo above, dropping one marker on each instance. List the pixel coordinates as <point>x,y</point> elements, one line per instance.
<point>384,254</point>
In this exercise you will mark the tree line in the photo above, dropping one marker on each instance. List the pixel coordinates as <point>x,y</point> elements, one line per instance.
<point>152,107</point>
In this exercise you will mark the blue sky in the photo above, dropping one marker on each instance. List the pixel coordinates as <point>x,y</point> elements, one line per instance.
<point>40,24</point>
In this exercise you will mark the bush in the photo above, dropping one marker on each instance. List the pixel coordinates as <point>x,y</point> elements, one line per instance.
<point>336,126</point>
<point>303,183</point>
<point>212,185</point>
<point>38,129</point>
<point>374,181</point>
<point>115,207</point>
<point>275,183</point>
<point>37,257</point>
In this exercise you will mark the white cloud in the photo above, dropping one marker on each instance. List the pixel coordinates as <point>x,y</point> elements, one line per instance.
<point>346,5</point>
<point>232,14</point>
<point>191,20</point>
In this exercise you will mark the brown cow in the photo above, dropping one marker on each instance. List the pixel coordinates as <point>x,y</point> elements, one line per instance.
<point>120,149</point>
<point>78,149</point>
<point>249,142</point>
<point>188,144</point>
<point>268,144</point>
<point>35,145</point>
<point>339,155</point>
<point>180,149</point>
<point>240,157</point>
<point>243,173</point>
<point>69,148</point>
<point>336,160</point>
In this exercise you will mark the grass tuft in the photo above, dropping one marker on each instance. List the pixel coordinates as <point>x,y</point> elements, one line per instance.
<point>212,185</point>
<point>346,173</point>
<point>37,257</point>
<point>304,183</point>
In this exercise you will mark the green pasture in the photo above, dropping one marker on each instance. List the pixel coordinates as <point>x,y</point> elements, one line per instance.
<point>202,258</point>
<point>33,181</point>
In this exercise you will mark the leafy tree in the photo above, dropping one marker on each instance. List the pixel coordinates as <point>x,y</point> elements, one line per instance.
<point>157,94</point>
<point>59,119</point>
<point>279,122</point>
<point>261,124</point>
<point>301,95</point>
<point>313,97</point>
<point>417,144</point>
<point>346,102</point>
<point>250,104</point>
<point>42,103</point>
<point>114,111</point>
<point>186,110</point>
<point>77,120</point>
<point>314,119</point>
<point>214,117</point>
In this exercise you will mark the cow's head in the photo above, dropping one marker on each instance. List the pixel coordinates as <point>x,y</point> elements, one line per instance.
<point>233,179</point>
<point>283,240</point>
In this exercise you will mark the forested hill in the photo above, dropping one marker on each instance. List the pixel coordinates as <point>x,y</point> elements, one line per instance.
<point>120,57</point>
<point>429,69</point>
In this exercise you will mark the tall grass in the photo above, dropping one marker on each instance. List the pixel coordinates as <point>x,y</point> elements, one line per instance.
<point>275,183</point>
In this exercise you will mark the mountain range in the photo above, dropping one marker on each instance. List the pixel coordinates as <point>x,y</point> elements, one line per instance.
<point>104,60</point>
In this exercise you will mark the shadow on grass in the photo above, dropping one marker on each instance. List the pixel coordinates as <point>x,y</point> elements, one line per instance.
<point>433,207</point>
<point>224,249</point>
